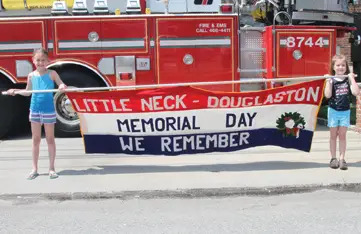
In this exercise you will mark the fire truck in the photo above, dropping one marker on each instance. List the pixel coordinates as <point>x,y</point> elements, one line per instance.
<point>105,43</point>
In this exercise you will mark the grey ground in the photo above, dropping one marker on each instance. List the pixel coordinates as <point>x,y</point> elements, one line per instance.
<point>261,170</point>
<point>323,211</point>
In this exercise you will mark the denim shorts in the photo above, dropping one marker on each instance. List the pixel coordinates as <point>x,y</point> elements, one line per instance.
<point>338,118</point>
<point>43,118</point>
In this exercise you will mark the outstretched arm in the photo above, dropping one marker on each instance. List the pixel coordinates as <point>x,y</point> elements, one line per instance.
<point>28,88</point>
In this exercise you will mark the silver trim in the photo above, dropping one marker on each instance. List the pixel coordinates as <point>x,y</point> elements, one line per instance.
<point>195,42</point>
<point>19,46</point>
<point>68,45</point>
<point>98,44</point>
<point>9,77</point>
<point>252,70</point>
<point>136,43</point>
<point>59,63</point>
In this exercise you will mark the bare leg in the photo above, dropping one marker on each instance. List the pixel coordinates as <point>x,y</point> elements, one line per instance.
<point>333,139</point>
<point>50,139</point>
<point>342,141</point>
<point>36,137</point>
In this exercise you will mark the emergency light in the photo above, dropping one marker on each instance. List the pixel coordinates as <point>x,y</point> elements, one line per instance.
<point>226,8</point>
<point>101,7</point>
<point>59,8</point>
<point>133,7</point>
<point>80,7</point>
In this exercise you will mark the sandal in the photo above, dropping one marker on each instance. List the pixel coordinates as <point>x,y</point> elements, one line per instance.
<point>33,175</point>
<point>334,164</point>
<point>343,164</point>
<point>53,175</point>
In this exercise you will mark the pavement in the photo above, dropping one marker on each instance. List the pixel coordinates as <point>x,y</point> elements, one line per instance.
<point>262,170</point>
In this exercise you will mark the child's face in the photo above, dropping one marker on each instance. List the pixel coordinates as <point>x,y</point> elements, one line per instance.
<point>40,61</point>
<point>340,67</point>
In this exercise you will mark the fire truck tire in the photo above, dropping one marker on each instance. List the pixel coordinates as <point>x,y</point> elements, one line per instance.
<point>68,124</point>
<point>20,115</point>
<point>14,118</point>
<point>6,115</point>
<point>11,119</point>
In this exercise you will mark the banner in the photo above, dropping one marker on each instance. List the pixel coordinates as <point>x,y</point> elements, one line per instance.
<point>186,120</point>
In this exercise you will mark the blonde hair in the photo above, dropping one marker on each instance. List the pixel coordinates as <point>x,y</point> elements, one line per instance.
<point>41,51</point>
<point>333,61</point>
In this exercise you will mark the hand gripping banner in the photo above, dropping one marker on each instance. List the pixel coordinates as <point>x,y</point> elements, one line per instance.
<point>186,120</point>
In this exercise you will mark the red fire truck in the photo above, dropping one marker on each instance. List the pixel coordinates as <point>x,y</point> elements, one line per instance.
<point>95,43</point>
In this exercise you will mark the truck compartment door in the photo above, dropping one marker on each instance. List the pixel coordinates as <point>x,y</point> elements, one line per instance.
<point>304,52</point>
<point>76,37</point>
<point>196,49</point>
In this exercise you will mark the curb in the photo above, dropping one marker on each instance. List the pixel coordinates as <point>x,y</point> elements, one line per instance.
<point>180,194</point>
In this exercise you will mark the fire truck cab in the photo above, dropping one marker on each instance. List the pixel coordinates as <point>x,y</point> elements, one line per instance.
<point>94,43</point>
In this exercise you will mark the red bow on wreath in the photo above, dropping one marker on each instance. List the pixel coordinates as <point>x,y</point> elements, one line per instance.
<point>294,131</point>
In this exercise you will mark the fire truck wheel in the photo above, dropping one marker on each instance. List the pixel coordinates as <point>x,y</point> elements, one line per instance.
<point>14,119</point>
<point>68,124</point>
<point>20,115</point>
<point>7,116</point>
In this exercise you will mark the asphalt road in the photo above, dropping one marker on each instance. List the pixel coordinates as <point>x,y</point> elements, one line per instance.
<point>324,211</point>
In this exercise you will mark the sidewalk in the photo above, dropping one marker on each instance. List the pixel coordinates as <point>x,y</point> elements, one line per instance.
<point>259,170</point>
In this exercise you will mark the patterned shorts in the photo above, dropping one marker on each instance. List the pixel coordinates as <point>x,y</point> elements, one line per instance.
<point>43,118</point>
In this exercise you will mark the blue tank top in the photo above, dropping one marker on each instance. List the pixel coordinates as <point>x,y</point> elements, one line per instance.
<point>42,102</point>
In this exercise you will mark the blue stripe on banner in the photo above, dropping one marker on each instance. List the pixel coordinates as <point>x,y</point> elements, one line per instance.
<point>195,143</point>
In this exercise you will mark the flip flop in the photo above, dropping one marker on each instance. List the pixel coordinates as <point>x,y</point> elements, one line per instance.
<point>33,175</point>
<point>53,175</point>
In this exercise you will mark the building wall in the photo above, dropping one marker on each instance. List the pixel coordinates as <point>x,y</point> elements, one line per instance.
<point>343,43</point>
<point>345,48</point>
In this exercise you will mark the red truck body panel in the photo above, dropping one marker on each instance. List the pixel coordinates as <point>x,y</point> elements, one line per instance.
<point>179,48</point>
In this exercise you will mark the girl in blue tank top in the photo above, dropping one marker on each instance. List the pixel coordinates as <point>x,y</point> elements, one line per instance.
<point>42,111</point>
<point>42,102</point>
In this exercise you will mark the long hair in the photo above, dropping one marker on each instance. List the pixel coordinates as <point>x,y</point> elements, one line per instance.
<point>333,61</point>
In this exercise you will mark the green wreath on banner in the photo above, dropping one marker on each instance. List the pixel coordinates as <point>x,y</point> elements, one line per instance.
<point>290,124</point>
